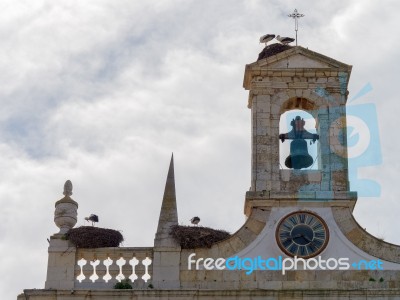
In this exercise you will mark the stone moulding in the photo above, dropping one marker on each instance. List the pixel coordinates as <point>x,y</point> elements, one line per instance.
<point>362,239</point>
<point>376,293</point>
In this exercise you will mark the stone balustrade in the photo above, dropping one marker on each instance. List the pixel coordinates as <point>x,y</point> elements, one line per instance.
<point>102,268</point>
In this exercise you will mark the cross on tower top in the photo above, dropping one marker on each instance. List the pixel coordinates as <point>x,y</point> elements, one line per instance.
<point>296,15</point>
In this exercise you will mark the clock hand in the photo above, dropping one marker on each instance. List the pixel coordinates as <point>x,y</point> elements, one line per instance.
<point>310,241</point>
<point>304,237</point>
<point>296,237</point>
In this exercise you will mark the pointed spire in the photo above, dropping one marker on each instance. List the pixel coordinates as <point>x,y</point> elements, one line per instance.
<point>169,212</point>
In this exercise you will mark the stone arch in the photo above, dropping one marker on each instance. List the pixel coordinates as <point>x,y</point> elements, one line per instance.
<point>362,239</point>
<point>310,105</point>
<point>313,104</point>
<point>311,123</point>
<point>306,100</point>
<point>297,103</point>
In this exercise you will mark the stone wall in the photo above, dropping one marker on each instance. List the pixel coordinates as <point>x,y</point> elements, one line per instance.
<point>373,292</point>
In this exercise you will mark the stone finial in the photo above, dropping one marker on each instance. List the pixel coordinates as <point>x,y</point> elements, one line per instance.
<point>66,213</point>
<point>68,188</point>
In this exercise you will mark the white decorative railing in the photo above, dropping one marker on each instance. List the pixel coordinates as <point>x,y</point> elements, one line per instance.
<point>104,267</point>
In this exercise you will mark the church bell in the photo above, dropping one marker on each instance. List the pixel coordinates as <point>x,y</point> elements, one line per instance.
<point>299,157</point>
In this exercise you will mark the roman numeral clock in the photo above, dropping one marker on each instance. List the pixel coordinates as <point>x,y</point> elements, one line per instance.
<point>302,234</point>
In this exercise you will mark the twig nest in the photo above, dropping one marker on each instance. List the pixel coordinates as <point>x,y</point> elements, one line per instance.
<point>272,49</point>
<point>94,237</point>
<point>190,237</point>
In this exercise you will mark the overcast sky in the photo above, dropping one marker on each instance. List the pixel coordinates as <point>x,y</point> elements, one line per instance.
<point>102,92</point>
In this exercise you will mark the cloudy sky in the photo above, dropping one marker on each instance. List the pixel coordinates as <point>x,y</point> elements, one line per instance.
<point>102,92</point>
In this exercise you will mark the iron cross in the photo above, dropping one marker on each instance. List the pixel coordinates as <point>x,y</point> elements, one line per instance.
<point>296,15</point>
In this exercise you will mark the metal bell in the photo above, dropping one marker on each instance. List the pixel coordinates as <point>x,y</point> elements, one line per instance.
<point>299,157</point>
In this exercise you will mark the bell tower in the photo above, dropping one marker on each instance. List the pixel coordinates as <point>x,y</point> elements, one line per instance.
<point>309,210</point>
<point>288,78</point>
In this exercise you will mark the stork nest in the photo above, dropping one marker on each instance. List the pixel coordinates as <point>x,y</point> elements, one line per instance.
<point>190,237</point>
<point>94,237</point>
<point>272,49</point>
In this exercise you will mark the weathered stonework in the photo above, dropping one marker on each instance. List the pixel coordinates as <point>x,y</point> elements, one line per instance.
<point>362,239</point>
<point>297,79</point>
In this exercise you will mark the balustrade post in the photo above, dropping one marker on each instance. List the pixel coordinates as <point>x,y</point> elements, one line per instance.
<point>61,265</point>
<point>61,261</point>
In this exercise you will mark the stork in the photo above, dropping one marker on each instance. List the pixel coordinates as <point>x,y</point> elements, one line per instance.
<point>266,38</point>
<point>195,220</point>
<point>93,218</point>
<point>285,40</point>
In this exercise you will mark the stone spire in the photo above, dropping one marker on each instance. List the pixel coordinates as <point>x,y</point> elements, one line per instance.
<point>168,213</point>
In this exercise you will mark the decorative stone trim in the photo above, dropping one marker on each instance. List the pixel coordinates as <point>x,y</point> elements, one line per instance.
<point>362,239</point>
<point>320,290</point>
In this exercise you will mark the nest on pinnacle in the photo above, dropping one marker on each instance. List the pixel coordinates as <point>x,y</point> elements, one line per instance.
<point>272,49</point>
<point>190,237</point>
<point>94,237</point>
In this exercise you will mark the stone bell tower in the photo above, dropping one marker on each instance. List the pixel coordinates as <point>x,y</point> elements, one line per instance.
<point>286,78</point>
<point>309,210</point>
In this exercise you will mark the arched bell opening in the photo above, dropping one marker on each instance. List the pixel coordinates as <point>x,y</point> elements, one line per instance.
<point>298,146</point>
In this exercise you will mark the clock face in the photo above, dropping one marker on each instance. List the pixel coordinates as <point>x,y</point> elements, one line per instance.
<point>302,234</point>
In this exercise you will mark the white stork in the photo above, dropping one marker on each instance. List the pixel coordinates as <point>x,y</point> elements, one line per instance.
<point>285,40</point>
<point>93,218</point>
<point>266,38</point>
<point>195,220</point>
